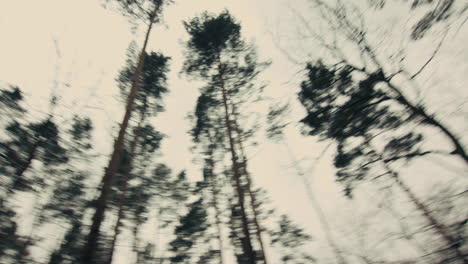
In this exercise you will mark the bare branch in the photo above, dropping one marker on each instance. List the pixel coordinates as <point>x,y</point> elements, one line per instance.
<point>434,53</point>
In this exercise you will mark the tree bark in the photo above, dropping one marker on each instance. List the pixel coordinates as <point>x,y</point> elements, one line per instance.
<point>123,196</point>
<point>237,175</point>
<point>214,190</point>
<point>249,183</point>
<point>89,252</point>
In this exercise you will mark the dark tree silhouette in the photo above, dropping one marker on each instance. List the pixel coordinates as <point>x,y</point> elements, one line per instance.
<point>354,114</point>
<point>217,54</point>
<point>150,12</point>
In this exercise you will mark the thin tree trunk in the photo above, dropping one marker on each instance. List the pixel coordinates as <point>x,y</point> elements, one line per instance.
<point>214,191</point>
<point>89,252</point>
<point>317,208</point>
<point>451,242</point>
<point>123,196</point>
<point>249,184</point>
<point>237,175</point>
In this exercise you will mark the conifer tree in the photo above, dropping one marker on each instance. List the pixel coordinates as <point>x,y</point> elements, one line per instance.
<point>10,103</point>
<point>146,140</point>
<point>149,11</point>
<point>26,143</point>
<point>288,239</point>
<point>217,54</point>
<point>10,106</point>
<point>69,200</point>
<point>188,233</point>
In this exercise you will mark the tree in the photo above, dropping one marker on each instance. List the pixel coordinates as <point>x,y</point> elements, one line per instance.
<point>35,141</point>
<point>217,54</point>
<point>189,232</point>
<point>276,118</point>
<point>148,102</point>
<point>150,12</point>
<point>355,114</point>
<point>69,200</point>
<point>348,24</point>
<point>372,113</point>
<point>10,102</point>
<point>289,239</point>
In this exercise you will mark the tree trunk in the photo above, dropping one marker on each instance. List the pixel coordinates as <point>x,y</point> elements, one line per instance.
<point>317,208</point>
<point>237,175</point>
<point>249,183</point>
<point>451,242</point>
<point>214,190</point>
<point>89,252</point>
<point>123,196</point>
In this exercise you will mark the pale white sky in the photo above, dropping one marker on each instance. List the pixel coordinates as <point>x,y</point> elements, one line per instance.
<point>80,46</point>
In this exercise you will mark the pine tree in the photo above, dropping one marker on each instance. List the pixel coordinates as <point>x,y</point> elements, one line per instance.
<point>150,12</point>
<point>69,200</point>
<point>218,55</point>
<point>289,240</point>
<point>26,143</point>
<point>148,102</point>
<point>10,103</point>
<point>190,230</point>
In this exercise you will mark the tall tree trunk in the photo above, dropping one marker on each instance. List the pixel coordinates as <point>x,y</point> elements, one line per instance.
<point>123,196</point>
<point>218,222</point>
<point>451,242</point>
<point>249,182</point>
<point>249,250</point>
<point>89,252</point>
<point>317,208</point>
<point>214,191</point>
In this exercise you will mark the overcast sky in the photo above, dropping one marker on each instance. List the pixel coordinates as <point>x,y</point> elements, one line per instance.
<point>76,48</point>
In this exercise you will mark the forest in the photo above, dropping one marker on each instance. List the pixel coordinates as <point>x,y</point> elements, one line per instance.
<point>233,132</point>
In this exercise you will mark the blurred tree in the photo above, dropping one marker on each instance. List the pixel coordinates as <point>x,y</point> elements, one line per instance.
<point>190,230</point>
<point>347,21</point>
<point>70,195</point>
<point>363,96</point>
<point>27,143</point>
<point>217,54</point>
<point>288,239</point>
<point>150,12</point>
<point>148,102</point>
<point>10,103</point>
<point>355,114</point>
